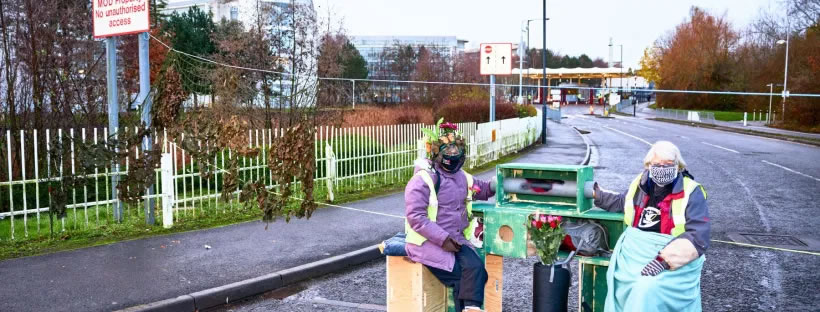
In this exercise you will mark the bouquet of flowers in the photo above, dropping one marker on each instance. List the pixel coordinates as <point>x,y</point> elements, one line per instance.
<point>547,234</point>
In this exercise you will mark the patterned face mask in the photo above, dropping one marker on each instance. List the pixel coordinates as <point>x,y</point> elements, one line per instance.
<point>452,158</point>
<point>664,174</point>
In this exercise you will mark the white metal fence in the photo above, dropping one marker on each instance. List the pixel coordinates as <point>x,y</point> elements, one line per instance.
<point>696,116</point>
<point>347,160</point>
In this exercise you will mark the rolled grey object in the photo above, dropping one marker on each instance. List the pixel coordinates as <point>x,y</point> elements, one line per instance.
<point>588,187</point>
<point>522,186</point>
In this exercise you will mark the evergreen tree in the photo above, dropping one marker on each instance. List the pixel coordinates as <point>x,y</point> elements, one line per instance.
<point>191,33</point>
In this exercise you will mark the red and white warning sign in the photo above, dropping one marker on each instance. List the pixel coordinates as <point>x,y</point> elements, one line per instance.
<point>496,58</point>
<point>120,17</point>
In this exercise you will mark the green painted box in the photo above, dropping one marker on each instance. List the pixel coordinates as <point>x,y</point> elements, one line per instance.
<point>570,173</point>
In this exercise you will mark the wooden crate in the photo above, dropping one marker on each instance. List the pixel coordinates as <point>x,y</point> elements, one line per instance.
<point>412,287</point>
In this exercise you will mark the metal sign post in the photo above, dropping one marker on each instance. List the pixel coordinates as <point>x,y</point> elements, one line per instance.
<point>145,98</point>
<point>117,18</point>
<point>113,116</point>
<point>492,98</point>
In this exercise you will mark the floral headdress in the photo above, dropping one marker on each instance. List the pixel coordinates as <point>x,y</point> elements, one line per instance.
<point>444,133</point>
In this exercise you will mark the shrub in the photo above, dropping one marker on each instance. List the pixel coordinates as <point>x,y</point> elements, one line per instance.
<point>377,116</point>
<point>526,110</point>
<point>475,111</point>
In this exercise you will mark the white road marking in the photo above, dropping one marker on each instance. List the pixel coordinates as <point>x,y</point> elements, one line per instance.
<point>629,135</point>
<point>721,147</point>
<point>645,127</point>
<point>790,170</point>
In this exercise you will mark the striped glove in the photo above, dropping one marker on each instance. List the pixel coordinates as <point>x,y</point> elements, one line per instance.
<point>655,267</point>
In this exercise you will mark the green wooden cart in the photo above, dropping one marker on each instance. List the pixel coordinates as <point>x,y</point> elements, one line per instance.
<point>505,230</point>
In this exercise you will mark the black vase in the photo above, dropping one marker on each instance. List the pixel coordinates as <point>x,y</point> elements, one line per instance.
<point>550,296</point>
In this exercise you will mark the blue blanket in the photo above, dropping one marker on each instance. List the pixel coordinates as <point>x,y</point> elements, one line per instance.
<point>677,290</point>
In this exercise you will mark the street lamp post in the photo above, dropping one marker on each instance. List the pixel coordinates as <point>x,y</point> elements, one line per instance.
<point>621,70</point>
<point>771,90</point>
<point>785,73</point>
<point>528,30</point>
<point>520,57</point>
<point>520,68</point>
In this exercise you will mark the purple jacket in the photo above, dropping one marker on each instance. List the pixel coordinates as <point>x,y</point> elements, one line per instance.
<point>451,220</point>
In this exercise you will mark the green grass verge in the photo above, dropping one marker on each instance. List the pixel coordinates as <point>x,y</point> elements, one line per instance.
<point>102,229</point>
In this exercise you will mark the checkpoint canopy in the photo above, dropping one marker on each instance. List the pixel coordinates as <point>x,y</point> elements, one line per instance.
<point>120,17</point>
<point>572,73</point>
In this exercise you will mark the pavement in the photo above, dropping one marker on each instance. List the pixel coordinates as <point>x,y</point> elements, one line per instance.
<point>131,273</point>
<point>755,185</point>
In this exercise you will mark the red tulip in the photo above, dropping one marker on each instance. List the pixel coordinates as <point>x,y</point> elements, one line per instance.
<point>553,224</point>
<point>538,224</point>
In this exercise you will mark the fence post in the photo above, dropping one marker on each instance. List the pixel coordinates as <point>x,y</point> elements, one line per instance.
<point>330,168</point>
<point>168,191</point>
<point>496,140</point>
<point>473,151</point>
<point>421,149</point>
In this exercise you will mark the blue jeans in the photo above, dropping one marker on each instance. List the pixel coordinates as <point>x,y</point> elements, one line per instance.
<point>467,278</point>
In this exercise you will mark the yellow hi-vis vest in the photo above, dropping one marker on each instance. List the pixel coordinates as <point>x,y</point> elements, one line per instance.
<point>432,209</point>
<point>678,205</point>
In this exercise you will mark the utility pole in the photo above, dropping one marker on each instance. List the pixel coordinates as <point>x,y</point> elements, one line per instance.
<point>544,64</point>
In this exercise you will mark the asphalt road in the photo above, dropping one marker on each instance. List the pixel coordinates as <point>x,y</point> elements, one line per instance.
<point>755,185</point>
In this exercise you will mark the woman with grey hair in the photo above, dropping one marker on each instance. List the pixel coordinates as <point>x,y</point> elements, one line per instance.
<point>657,262</point>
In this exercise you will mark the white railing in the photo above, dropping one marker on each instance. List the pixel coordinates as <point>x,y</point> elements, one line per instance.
<point>686,115</point>
<point>347,160</point>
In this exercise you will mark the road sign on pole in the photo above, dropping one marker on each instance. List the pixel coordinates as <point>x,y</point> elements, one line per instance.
<point>120,17</point>
<point>496,58</point>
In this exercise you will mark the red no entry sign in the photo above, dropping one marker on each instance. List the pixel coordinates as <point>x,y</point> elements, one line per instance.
<point>488,49</point>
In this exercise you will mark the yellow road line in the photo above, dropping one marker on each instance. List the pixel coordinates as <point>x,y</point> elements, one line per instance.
<point>767,247</point>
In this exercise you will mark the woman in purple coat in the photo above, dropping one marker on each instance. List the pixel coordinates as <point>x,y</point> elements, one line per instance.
<point>437,205</point>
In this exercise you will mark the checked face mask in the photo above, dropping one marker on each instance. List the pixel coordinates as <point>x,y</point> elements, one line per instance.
<point>663,174</point>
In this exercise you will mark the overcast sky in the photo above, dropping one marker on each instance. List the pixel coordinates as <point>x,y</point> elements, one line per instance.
<point>575,27</point>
